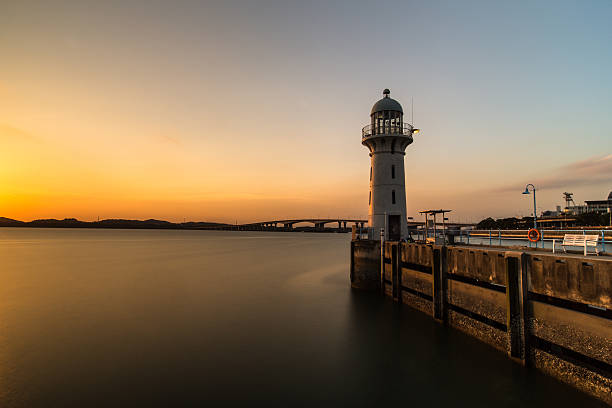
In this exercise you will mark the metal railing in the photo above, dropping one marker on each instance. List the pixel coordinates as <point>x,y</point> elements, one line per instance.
<point>500,237</point>
<point>399,129</point>
<point>513,237</point>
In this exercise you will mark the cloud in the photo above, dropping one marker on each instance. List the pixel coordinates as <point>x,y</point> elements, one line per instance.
<point>12,134</point>
<point>167,139</point>
<point>593,171</point>
<point>593,165</point>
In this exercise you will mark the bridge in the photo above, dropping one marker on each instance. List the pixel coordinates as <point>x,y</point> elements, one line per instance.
<point>318,224</point>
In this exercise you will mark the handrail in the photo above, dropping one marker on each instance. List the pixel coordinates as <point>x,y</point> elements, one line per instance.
<point>399,129</point>
<point>604,236</point>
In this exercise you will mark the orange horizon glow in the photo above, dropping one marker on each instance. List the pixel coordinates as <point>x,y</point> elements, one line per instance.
<point>209,113</point>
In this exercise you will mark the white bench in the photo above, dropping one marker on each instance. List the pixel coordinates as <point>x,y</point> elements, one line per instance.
<point>579,240</point>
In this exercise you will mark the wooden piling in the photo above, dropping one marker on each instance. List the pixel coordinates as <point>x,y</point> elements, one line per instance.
<point>439,266</point>
<point>516,313</point>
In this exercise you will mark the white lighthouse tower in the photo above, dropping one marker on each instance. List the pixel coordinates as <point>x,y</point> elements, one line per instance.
<point>387,137</point>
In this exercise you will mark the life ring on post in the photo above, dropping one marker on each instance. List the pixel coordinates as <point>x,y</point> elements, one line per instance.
<point>533,235</point>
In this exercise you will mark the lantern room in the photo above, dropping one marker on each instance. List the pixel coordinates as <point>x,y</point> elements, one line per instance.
<point>386,116</point>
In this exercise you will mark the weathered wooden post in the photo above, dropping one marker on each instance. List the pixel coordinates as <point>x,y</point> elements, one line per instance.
<point>439,266</point>
<point>398,268</point>
<point>393,253</point>
<point>382,261</point>
<point>516,311</point>
<point>352,259</point>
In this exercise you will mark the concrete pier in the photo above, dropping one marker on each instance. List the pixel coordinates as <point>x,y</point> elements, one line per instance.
<point>544,310</point>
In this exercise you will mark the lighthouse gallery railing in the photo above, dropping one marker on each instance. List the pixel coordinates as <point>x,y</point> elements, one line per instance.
<point>399,129</point>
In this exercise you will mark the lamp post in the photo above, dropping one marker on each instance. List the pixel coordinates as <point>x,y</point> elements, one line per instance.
<point>535,217</point>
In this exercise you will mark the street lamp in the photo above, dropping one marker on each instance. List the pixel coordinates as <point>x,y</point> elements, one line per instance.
<point>535,217</point>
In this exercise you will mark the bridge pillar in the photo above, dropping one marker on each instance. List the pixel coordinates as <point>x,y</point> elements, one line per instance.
<point>344,224</point>
<point>319,226</point>
<point>288,226</point>
<point>339,224</point>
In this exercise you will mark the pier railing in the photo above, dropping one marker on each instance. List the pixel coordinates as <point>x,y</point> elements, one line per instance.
<point>498,237</point>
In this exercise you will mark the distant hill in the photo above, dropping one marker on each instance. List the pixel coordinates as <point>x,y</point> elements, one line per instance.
<point>111,223</point>
<point>8,222</point>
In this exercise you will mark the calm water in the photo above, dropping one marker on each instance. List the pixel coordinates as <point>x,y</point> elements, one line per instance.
<point>166,318</point>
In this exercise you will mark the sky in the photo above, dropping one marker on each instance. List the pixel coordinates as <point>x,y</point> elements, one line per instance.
<point>241,111</point>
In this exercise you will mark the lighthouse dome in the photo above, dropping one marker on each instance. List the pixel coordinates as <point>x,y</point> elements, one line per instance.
<point>386,104</point>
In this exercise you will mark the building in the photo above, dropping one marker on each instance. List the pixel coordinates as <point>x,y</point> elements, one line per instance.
<point>550,213</point>
<point>592,206</point>
<point>387,137</point>
<point>576,209</point>
<point>600,206</point>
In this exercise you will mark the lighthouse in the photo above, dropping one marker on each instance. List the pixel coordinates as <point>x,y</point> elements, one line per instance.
<point>387,137</point>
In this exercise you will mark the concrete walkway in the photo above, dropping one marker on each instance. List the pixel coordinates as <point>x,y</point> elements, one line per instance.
<point>541,251</point>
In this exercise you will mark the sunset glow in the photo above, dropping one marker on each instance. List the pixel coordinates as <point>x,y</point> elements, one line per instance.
<point>198,112</point>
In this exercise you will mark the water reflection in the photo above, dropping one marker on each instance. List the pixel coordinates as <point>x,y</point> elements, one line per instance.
<point>164,318</point>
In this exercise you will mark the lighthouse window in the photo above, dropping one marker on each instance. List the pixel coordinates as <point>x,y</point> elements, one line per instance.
<point>370,173</point>
<point>392,171</point>
<point>392,196</point>
<point>370,199</point>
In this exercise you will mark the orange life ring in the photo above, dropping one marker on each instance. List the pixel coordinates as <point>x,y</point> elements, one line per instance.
<point>533,235</point>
